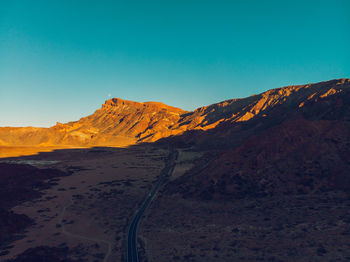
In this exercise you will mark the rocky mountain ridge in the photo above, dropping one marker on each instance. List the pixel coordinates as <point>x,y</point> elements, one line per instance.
<point>121,122</point>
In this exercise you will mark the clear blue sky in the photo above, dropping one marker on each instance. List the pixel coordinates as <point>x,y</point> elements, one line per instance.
<point>59,60</point>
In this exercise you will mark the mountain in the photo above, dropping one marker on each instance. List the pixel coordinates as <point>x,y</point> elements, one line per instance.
<point>119,122</point>
<point>298,142</point>
<point>225,124</point>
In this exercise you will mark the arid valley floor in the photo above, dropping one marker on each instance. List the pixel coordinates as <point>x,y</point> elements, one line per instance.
<point>85,216</point>
<point>87,211</point>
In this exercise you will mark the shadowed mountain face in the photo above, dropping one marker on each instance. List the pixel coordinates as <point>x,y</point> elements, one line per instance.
<point>296,157</point>
<point>225,124</point>
<point>298,144</point>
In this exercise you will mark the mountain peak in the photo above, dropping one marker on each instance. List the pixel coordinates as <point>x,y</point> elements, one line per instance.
<point>156,106</point>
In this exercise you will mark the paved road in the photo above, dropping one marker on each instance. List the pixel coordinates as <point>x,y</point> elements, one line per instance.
<point>132,254</point>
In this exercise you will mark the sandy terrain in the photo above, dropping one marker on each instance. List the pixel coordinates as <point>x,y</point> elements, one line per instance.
<point>89,211</point>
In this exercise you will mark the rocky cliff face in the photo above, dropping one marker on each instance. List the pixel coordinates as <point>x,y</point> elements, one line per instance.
<point>225,124</point>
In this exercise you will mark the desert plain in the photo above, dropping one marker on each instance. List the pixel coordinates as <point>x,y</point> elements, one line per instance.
<point>88,211</point>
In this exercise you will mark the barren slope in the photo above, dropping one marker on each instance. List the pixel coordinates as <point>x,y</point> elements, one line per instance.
<point>121,122</point>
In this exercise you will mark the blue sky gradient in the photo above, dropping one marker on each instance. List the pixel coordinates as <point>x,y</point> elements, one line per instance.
<point>59,60</point>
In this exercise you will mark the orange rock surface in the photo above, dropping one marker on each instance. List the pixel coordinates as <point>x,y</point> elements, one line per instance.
<point>121,122</point>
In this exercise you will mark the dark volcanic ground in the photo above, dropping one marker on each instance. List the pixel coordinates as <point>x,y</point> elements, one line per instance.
<point>20,183</point>
<point>79,209</point>
<point>284,229</point>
